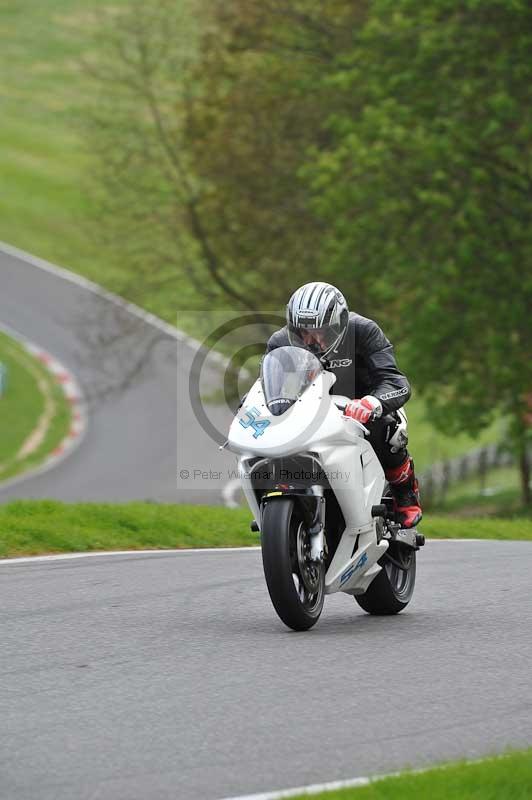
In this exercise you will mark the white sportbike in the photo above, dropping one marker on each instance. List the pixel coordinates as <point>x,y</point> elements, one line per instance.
<point>316,490</point>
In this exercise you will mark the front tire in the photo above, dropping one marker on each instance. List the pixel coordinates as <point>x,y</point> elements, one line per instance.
<point>295,584</point>
<point>392,589</point>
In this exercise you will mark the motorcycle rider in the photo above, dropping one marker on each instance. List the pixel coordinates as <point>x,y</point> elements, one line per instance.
<point>356,350</point>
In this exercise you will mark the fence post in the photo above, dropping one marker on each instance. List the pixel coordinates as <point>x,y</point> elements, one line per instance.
<point>482,468</point>
<point>463,469</point>
<point>446,479</point>
<point>3,379</point>
<point>427,488</point>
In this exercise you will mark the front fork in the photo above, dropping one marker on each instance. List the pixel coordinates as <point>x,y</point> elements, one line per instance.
<point>317,527</point>
<point>313,509</point>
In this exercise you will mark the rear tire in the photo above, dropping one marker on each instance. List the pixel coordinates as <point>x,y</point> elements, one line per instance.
<point>392,589</point>
<point>295,584</point>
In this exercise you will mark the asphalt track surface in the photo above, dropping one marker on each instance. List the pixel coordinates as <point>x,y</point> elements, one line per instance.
<point>142,428</point>
<point>150,677</point>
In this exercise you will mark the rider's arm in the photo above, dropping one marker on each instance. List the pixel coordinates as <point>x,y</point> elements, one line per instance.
<point>388,383</point>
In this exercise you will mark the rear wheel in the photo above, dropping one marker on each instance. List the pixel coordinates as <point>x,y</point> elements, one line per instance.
<point>295,583</point>
<point>392,589</point>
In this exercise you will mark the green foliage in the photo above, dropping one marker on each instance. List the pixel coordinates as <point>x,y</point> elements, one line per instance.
<point>386,147</point>
<point>205,114</point>
<point>259,105</point>
<point>140,183</point>
<point>426,180</point>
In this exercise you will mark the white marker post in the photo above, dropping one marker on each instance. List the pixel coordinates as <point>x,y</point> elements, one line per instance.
<point>3,379</point>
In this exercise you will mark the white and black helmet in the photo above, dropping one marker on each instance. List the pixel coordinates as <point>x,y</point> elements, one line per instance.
<point>317,317</point>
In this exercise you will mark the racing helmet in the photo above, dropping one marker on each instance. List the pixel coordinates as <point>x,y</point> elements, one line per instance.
<point>317,317</point>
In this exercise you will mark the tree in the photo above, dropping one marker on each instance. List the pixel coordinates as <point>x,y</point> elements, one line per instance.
<point>199,133</point>
<point>139,177</point>
<point>258,109</point>
<point>427,180</point>
<point>383,146</point>
<point>202,125</point>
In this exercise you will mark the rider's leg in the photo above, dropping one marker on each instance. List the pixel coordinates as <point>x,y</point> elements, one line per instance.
<point>405,490</point>
<point>398,469</point>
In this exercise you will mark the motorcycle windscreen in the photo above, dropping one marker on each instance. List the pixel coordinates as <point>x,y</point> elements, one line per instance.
<point>285,373</point>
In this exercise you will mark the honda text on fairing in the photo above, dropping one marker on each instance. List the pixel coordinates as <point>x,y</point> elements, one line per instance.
<point>317,492</point>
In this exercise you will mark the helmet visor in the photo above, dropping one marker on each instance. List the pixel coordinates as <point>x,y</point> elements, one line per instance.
<point>318,340</point>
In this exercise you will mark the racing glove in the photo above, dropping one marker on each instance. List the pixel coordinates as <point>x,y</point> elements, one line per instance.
<point>364,410</point>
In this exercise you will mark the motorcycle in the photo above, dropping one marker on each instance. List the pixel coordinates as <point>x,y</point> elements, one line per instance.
<point>317,493</point>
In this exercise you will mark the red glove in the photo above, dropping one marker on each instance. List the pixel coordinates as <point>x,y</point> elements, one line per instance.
<point>364,410</point>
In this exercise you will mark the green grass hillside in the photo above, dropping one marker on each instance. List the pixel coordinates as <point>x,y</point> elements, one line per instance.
<point>42,159</point>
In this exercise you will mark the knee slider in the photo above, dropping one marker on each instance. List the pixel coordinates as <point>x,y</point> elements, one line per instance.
<point>398,438</point>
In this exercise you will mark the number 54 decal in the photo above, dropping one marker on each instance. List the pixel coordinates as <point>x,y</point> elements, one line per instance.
<point>250,421</point>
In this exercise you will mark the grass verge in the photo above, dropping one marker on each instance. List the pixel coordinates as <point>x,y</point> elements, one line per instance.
<point>449,527</point>
<point>507,777</point>
<point>31,392</point>
<point>30,527</point>
<point>45,526</point>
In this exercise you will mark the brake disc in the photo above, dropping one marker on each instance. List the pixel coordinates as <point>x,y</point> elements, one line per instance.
<point>308,570</point>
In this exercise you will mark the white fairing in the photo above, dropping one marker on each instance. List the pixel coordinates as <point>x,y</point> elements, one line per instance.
<point>315,424</point>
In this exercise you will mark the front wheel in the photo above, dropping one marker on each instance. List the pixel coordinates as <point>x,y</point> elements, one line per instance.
<point>295,583</point>
<point>392,589</point>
